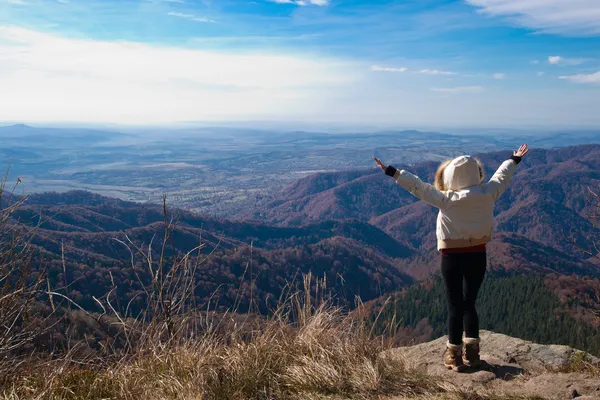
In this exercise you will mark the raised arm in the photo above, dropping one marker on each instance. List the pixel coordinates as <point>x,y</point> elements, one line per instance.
<point>499,182</point>
<point>424,191</point>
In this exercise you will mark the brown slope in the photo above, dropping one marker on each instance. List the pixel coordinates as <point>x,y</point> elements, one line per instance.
<point>545,203</point>
<point>373,195</point>
<point>105,247</point>
<point>93,262</point>
<point>72,223</point>
<point>580,295</point>
<point>507,253</point>
<point>81,212</point>
<point>357,258</point>
<point>413,223</point>
<point>317,183</point>
<point>361,198</point>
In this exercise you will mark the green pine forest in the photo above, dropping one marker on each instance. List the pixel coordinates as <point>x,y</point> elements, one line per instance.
<point>519,306</point>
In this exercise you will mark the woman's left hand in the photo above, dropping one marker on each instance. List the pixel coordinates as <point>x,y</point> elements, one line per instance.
<point>379,163</point>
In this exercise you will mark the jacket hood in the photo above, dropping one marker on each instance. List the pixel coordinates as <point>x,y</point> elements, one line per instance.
<point>462,172</point>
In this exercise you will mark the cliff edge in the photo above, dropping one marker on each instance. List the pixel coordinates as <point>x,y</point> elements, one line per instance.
<point>513,367</point>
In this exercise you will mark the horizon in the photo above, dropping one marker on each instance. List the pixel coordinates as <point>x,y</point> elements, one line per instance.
<point>433,64</point>
<point>310,128</point>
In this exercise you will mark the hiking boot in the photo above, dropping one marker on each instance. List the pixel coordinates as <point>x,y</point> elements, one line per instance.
<point>471,352</point>
<point>453,357</point>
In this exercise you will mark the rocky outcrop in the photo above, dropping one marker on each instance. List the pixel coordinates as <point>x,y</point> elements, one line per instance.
<point>513,367</point>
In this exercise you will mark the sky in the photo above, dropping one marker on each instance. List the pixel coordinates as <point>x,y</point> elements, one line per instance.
<point>405,63</point>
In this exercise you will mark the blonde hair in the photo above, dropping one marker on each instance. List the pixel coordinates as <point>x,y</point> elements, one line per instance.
<point>439,174</point>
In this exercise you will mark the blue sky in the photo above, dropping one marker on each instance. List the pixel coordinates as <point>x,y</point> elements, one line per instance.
<point>396,63</point>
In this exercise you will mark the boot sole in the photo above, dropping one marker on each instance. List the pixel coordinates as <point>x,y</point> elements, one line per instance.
<point>472,365</point>
<point>455,369</point>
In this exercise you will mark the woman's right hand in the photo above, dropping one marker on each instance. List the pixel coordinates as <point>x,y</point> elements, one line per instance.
<point>523,150</point>
<point>379,163</point>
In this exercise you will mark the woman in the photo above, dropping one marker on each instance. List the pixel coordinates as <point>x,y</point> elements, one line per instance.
<point>464,226</point>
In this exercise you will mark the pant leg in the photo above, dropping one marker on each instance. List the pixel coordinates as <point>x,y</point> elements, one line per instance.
<point>473,270</point>
<point>453,281</point>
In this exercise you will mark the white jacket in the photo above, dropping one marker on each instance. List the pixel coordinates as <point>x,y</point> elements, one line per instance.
<point>466,216</point>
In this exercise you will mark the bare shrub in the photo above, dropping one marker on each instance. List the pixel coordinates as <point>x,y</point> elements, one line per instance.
<point>20,284</point>
<point>167,281</point>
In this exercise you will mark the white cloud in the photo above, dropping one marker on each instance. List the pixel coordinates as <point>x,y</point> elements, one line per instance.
<point>191,17</point>
<point>180,15</point>
<point>554,59</point>
<point>387,69</point>
<point>436,72</point>
<point>403,69</point>
<point>567,17</point>
<point>51,78</point>
<point>534,62</point>
<point>499,76</point>
<point>540,73</point>
<point>583,78</point>
<point>558,60</point>
<point>302,2</point>
<point>459,89</point>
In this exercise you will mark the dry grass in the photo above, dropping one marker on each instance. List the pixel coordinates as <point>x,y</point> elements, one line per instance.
<point>581,363</point>
<point>325,356</point>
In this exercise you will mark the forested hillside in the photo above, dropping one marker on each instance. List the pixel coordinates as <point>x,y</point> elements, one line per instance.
<point>545,309</point>
<point>544,209</point>
<point>82,237</point>
<point>548,188</point>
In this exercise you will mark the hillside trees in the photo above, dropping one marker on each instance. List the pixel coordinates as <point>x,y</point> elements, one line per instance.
<point>519,306</point>
<point>20,284</point>
<point>594,217</point>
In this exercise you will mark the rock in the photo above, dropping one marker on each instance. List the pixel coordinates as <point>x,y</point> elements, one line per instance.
<point>562,386</point>
<point>510,366</point>
<point>531,356</point>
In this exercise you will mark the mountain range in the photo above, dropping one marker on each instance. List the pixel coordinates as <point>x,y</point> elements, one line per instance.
<point>357,231</point>
<point>539,218</point>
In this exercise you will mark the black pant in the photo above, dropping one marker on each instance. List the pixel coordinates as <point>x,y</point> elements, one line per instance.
<point>463,274</point>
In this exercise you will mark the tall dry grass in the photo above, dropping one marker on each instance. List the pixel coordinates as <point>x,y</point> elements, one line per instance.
<point>325,354</point>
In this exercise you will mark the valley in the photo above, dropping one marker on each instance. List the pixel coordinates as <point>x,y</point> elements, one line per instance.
<point>224,172</point>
